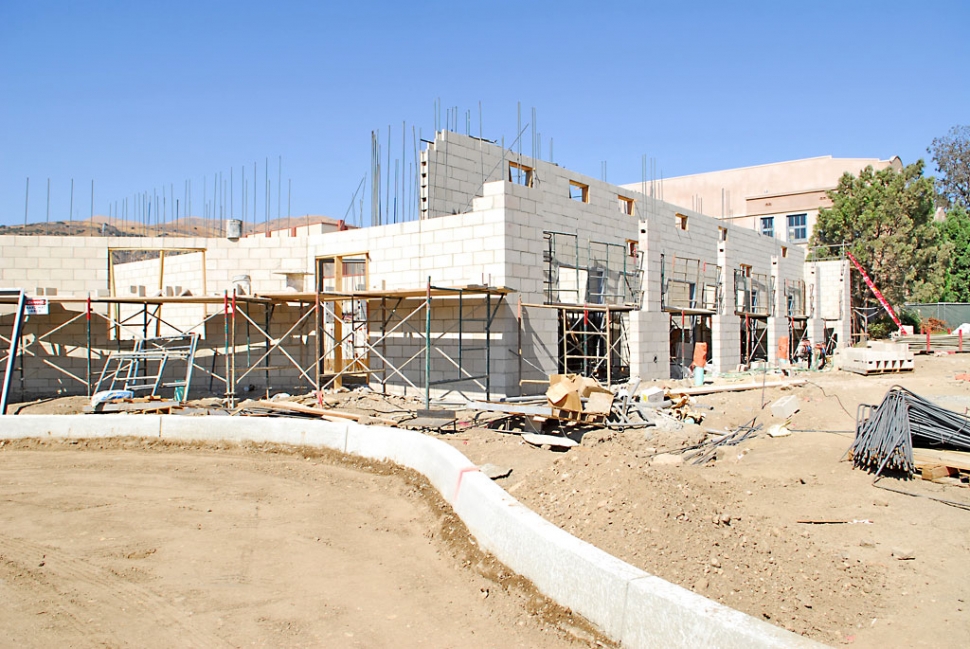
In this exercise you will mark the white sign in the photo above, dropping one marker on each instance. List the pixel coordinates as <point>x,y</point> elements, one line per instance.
<point>37,306</point>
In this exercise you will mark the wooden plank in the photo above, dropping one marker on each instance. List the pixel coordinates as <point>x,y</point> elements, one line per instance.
<point>129,406</point>
<point>932,457</point>
<point>308,410</point>
<point>933,473</point>
<point>736,387</point>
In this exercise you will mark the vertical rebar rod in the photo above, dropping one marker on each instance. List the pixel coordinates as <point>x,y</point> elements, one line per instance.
<point>427,347</point>
<point>87,315</point>
<point>488,345</point>
<point>518,320</point>
<point>268,314</point>
<point>27,203</point>
<point>255,176</point>
<point>317,343</point>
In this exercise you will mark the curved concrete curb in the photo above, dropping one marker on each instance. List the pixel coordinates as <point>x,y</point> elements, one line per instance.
<point>626,603</point>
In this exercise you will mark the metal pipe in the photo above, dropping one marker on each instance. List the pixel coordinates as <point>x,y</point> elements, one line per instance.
<point>427,347</point>
<point>18,325</point>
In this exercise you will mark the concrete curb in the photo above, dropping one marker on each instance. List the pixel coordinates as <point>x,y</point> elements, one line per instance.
<point>624,602</point>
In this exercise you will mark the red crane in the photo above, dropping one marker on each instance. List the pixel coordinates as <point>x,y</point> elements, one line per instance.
<point>875,290</point>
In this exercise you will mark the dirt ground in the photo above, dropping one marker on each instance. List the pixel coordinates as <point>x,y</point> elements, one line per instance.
<point>139,544</point>
<point>730,529</point>
<point>873,568</point>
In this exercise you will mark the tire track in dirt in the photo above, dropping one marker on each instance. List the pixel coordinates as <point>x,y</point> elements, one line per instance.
<point>58,573</point>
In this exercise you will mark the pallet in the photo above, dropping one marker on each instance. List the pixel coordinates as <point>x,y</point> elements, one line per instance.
<point>942,466</point>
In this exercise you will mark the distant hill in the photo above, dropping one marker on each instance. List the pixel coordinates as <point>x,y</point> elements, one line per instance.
<point>192,226</point>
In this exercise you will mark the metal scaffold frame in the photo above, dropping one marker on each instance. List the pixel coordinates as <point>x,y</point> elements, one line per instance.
<point>592,341</point>
<point>754,293</point>
<point>689,286</point>
<point>401,311</point>
<point>797,315</point>
<point>754,339</point>
<point>603,273</point>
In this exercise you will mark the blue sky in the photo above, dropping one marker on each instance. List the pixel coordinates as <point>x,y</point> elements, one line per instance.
<point>140,95</point>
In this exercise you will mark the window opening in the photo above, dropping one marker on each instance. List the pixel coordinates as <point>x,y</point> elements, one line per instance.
<point>520,174</point>
<point>578,191</point>
<point>681,221</point>
<point>626,205</point>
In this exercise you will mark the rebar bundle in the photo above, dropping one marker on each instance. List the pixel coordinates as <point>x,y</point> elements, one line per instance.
<point>885,433</point>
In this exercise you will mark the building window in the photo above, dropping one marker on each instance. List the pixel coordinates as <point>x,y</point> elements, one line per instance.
<point>626,205</point>
<point>681,221</point>
<point>722,234</point>
<point>578,191</point>
<point>520,174</point>
<point>768,226</point>
<point>784,251</point>
<point>797,228</point>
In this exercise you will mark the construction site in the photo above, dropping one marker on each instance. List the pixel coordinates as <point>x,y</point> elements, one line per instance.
<point>623,422</point>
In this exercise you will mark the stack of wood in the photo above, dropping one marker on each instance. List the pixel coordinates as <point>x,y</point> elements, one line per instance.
<point>566,394</point>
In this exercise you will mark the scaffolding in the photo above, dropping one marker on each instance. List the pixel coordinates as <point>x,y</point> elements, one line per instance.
<point>754,293</point>
<point>143,368</point>
<point>797,313</point>
<point>458,351</point>
<point>754,339</point>
<point>689,285</point>
<point>598,272</point>
<point>690,293</point>
<point>592,341</point>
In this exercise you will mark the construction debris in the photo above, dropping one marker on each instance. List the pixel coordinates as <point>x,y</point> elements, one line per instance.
<point>885,434</point>
<point>737,387</point>
<point>132,405</point>
<point>494,471</point>
<point>567,391</point>
<point>551,441</point>
<point>785,407</point>
<point>432,420</point>
<point>290,406</point>
<point>707,450</point>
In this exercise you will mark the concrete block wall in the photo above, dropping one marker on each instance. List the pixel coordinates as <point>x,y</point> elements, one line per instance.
<point>73,265</point>
<point>547,206</point>
<point>495,238</point>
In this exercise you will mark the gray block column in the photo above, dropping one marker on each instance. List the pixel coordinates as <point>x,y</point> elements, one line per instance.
<point>725,325</point>
<point>778,320</point>
<point>650,327</point>
<point>649,344</point>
